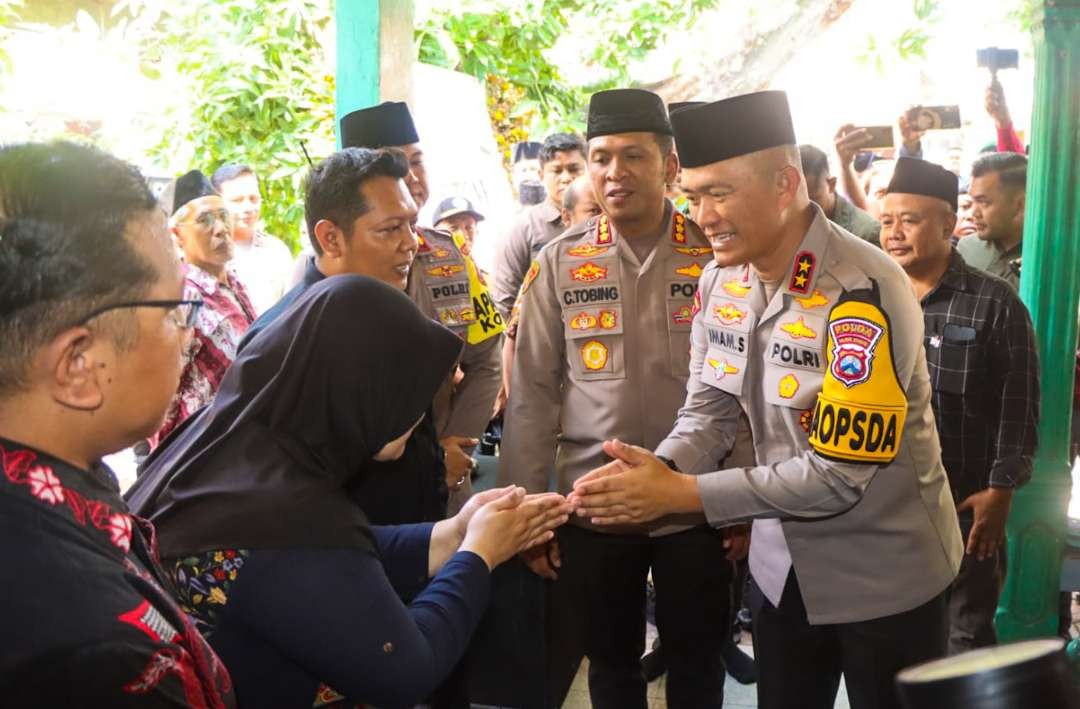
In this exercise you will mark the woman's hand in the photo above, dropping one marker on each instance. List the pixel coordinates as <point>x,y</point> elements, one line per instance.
<point>513,522</point>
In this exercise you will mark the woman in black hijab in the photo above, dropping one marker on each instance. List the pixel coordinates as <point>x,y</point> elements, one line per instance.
<point>295,590</point>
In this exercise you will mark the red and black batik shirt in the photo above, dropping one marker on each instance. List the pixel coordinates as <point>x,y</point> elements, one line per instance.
<point>85,618</point>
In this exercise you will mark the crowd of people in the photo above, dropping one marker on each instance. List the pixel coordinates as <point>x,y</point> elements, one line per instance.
<point>772,394</point>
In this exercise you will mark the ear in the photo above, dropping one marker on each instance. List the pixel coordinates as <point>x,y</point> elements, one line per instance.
<point>566,218</point>
<point>671,167</point>
<point>788,180</point>
<point>832,185</point>
<point>950,224</point>
<point>178,236</point>
<point>1021,206</point>
<point>331,239</point>
<point>77,369</point>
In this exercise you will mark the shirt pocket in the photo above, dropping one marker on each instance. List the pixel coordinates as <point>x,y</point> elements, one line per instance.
<point>679,314</point>
<point>595,357</point>
<point>957,365</point>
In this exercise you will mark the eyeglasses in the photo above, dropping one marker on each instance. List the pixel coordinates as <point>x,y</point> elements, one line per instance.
<point>182,312</point>
<point>206,220</point>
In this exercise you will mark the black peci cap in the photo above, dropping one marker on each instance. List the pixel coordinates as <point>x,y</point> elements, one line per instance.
<point>189,186</point>
<point>387,125</point>
<point>529,150</point>
<point>680,105</point>
<point>915,176</point>
<point>626,111</point>
<point>736,126</point>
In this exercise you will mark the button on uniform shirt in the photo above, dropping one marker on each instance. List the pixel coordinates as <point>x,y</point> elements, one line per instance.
<point>265,267</point>
<point>602,349</point>
<point>856,221</point>
<point>87,619</point>
<point>220,324</point>
<point>866,541</point>
<point>988,256</point>
<point>531,231</point>
<point>984,369</point>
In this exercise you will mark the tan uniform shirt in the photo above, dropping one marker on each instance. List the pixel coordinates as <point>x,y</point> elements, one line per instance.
<point>602,350</point>
<point>439,285</point>
<point>865,541</point>
<point>531,231</point>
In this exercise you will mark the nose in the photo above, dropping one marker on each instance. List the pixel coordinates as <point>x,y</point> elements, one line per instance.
<point>616,169</point>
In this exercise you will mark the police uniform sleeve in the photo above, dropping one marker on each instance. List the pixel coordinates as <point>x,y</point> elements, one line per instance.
<point>473,399</point>
<point>705,428</point>
<point>533,411</point>
<point>817,483</point>
<point>511,265</point>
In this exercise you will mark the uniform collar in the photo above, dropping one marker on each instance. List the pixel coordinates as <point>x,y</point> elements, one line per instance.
<point>88,499</point>
<point>801,277</point>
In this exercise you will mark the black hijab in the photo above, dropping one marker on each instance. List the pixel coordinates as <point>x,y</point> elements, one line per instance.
<point>349,367</point>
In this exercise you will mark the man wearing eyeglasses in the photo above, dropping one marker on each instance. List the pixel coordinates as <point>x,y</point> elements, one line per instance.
<point>202,229</point>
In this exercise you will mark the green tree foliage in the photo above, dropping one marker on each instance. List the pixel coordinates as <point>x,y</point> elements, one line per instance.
<point>8,17</point>
<point>512,42</point>
<point>256,85</point>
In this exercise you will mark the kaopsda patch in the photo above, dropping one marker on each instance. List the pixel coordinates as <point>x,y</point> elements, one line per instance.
<point>860,412</point>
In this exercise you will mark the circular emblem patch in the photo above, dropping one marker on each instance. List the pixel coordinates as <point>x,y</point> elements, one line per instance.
<point>594,354</point>
<point>789,385</point>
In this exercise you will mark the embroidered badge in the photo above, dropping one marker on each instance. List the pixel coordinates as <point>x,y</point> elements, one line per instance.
<point>589,273</point>
<point>423,246</point>
<point>587,250</point>
<point>441,253</point>
<point>736,288</point>
<point>789,385</point>
<point>693,250</point>
<point>146,618</point>
<point>799,330</point>
<point>608,320</point>
<point>692,271</point>
<point>805,418</point>
<point>582,321</point>
<point>448,316</point>
<point>853,349</point>
<point>603,231</point>
<point>466,315</point>
<point>594,355</point>
<point>678,228</point>
<point>326,696</point>
<point>802,273</point>
<point>447,271</point>
<point>697,304</point>
<point>530,276</point>
<point>814,300</point>
<point>44,485</point>
<point>935,341</point>
<point>728,314</point>
<point>721,368</point>
<point>684,315</point>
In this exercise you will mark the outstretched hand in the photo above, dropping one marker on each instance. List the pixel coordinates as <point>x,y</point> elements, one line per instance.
<point>634,488</point>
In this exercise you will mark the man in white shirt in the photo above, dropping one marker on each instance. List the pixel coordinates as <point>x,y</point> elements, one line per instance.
<point>263,262</point>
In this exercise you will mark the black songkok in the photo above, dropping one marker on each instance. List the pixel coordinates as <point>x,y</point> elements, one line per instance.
<point>680,105</point>
<point>529,150</point>
<point>915,176</point>
<point>736,126</point>
<point>387,125</point>
<point>626,111</point>
<point>189,186</point>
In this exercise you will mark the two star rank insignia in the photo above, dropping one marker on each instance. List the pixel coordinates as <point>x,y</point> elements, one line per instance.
<point>802,273</point>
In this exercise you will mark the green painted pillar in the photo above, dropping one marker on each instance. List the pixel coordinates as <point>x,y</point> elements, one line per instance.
<point>374,54</point>
<point>1049,285</point>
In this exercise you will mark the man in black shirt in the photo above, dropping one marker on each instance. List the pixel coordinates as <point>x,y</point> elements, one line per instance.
<point>92,330</point>
<point>984,369</point>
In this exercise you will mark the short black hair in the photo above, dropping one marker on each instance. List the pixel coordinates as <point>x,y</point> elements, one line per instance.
<point>230,171</point>
<point>665,142</point>
<point>332,189</point>
<point>1012,167</point>
<point>815,163</point>
<point>64,247</point>
<point>561,143</point>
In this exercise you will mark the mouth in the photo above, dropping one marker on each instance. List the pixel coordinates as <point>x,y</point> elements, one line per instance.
<point>619,195</point>
<point>898,250</point>
<point>720,239</point>
<point>403,269</point>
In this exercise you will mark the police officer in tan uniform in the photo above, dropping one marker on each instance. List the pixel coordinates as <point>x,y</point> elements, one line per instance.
<point>817,337</point>
<point>602,350</point>
<point>447,286</point>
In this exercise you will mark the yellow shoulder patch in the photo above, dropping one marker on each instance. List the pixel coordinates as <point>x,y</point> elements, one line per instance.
<point>486,322</point>
<point>860,412</point>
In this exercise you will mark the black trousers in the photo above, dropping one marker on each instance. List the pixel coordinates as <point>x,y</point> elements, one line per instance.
<point>597,609</point>
<point>973,598</point>
<point>799,665</point>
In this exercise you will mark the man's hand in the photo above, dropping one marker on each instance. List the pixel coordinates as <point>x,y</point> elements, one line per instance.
<point>544,560</point>
<point>848,140</point>
<point>991,509</point>
<point>910,135</point>
<point>458,462</point>
<point>634,488</point>
<point>500,402</point>
<point>737,541</point>
<point>996,106</point>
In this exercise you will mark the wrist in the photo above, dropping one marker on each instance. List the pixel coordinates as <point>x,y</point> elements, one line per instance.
<point>471,545</point>
<point>687,499</point>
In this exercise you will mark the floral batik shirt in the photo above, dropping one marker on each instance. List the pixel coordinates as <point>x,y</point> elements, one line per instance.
<point>221,322</point>
<point>86,614</point>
